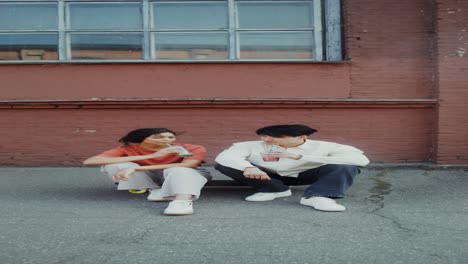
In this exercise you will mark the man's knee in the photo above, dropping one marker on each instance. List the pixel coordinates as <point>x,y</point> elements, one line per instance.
<point>229,171</point>
<point>341,169</point>
<point>219,167</point>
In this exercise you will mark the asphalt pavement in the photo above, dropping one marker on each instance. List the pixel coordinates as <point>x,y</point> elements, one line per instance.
<point>73,215</point>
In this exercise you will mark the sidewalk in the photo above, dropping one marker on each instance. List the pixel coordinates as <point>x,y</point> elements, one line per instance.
<point>394,215</point>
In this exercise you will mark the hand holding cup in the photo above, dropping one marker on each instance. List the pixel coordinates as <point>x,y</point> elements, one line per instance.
<point>270,156</point>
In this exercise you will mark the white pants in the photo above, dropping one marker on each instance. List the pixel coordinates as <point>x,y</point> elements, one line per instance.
<point>176,180</point>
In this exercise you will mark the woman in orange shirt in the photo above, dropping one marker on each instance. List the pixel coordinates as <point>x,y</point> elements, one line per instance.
<point>150,159</point>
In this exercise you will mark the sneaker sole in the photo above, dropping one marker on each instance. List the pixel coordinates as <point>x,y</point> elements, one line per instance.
<point>178,214</point>
<point>322,210</point>
<point>137,191</point>
<point>279,196</point>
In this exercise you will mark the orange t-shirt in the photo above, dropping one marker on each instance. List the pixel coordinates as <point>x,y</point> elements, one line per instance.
<point>198,153</point>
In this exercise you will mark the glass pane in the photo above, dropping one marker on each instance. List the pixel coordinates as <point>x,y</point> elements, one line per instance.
<point>28,16</point>
<point>190,15</point>
<point>274,15</point>
<point>194,46</point>
<point>276,45</point>
<point>106,46</point>
<point>105,16</point>
<point>28,47</point>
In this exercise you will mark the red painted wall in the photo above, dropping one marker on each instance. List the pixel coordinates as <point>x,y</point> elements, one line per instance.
<point>216,80</point>
<point>396,50</point>
<point>452,144</point>
<point>390,43</point>
<point>48,136</point>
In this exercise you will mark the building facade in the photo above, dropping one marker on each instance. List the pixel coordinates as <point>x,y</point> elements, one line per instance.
<point>389,77</point>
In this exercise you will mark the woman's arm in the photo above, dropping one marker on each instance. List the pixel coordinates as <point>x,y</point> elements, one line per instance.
<point>100,160</point>
<point>123,174</point>
<point>185,163</point>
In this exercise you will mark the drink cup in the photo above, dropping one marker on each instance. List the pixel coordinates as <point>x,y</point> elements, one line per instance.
<point>183,151</point>
<point>267,157</point>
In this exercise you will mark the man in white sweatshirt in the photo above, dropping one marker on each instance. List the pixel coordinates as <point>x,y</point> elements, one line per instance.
<point>285,157</point>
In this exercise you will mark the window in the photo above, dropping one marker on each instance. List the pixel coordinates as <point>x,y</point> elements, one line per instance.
<point>200,31</point>
<point>27,31</point>
<point>170,30</point>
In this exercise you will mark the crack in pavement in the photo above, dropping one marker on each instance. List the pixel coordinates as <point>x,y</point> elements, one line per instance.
<point>377,195</point>
<point>379,190</point>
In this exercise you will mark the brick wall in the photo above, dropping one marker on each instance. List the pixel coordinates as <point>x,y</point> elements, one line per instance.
<point>396,51</point>
<point>48,136</point>
<point>389,43</point>
<point>452,144</point>
<point>196,80</point>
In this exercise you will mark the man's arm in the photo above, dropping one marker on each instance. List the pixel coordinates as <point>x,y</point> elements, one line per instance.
<point>235,157</point>
<point>346,158</point>
<point>339,154</point>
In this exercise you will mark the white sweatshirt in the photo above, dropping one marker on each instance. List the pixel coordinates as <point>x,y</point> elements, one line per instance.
<point>314,154</point>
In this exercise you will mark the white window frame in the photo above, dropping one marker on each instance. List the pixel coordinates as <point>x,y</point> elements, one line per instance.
<point>326,31</point>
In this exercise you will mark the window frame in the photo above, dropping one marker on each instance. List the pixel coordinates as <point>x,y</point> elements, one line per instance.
<point>326,30</point>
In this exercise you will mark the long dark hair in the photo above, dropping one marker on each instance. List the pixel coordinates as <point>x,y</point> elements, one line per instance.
<point>138,135</point>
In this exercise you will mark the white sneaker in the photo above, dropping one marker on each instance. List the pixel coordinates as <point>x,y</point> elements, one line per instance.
<point>267,196</point>
<point>155,196</point>
<point>323,204</point>
<point>179,207</point>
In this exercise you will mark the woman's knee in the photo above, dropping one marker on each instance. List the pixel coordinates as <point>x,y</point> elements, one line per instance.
<point>184,176</point>
<point>182,172</point>
<point>113,168</point>
<point>178,170</point>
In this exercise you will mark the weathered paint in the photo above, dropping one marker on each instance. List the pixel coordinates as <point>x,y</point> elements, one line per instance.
<point>396,51</point>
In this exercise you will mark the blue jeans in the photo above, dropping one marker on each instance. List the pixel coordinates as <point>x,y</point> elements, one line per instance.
<point>329,180</point>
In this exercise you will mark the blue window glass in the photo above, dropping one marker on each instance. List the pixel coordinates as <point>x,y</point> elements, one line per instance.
<point>271,15</point>
<point>28,46</point>
<point>197,46</point>
<point>275,45</point>
<point>22,16</point>
<point>126,46</point>
<point>113,16</point>
<point>190,15</point>
<point>226,30</point>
